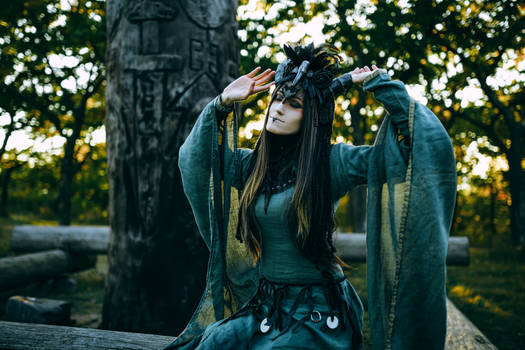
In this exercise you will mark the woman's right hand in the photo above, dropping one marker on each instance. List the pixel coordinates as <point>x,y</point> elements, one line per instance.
<point>247,85</point>
<point>360,74</point>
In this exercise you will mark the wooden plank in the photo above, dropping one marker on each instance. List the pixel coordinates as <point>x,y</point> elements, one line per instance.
<point>26,336</point>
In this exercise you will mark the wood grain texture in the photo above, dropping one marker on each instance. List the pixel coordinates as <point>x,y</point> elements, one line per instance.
<point>82,239</point>
<point>27,268</point>
<point>463,334</point>
<point>25,336</point>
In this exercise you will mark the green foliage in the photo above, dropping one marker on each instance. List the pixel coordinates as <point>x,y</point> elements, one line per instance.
<point>34,188</point>
<point>51,74</point>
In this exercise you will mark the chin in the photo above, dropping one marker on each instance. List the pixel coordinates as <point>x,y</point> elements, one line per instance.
<point>275,132</point>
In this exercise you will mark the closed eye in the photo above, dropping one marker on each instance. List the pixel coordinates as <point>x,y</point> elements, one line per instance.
<point>294,101</point>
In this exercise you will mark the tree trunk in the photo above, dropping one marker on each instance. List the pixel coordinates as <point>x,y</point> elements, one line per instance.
<point>493,197</point>
<point>514,156</point>
<point>522,207</point>
<point>63,199</point>
<point>165,62</point>
<point>6,177</point>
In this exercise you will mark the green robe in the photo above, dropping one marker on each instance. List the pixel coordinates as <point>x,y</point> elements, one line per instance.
<point>411,196</point>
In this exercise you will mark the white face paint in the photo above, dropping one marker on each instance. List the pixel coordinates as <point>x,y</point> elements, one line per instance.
<point>285,116</point>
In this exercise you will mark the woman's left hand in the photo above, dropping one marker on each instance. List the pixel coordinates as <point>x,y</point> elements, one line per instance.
<point>359,74</point>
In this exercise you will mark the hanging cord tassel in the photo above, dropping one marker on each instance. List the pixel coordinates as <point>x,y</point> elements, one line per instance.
<point>301,298</point>
<point>310,303</point>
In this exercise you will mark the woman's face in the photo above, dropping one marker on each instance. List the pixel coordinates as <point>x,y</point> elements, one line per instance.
<point>285,115</point>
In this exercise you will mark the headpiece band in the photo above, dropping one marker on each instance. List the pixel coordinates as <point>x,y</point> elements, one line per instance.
<point>319,83</point>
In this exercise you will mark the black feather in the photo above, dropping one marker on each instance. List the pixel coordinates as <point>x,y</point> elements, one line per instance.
<point>290,52</point>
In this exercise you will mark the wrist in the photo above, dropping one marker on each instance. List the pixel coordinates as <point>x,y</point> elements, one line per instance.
<point>341,84</point>
<point>226,102</point>
<point>221,107</point>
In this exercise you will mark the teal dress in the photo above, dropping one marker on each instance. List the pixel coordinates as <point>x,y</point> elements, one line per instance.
<point>286,302</point>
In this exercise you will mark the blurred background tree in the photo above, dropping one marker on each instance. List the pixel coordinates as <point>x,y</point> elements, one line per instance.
<point>52,74</point>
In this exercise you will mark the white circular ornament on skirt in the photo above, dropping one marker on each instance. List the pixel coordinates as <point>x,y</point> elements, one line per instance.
<point>265,327</point>
<point>332,322</point>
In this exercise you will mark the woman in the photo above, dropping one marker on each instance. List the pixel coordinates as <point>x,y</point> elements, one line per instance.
<point>274,280</point>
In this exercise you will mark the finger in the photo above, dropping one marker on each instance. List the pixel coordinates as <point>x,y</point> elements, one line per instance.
<point>263,75</point>
<point>374,67</point>
<point>367,69</point>
<point>253,72</point>
<point>265,79</point>
<point>263,87</point>
<point>251,88</point>
<point>356,70</point>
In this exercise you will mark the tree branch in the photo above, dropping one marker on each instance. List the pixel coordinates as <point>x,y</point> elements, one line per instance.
<point>7,135</point>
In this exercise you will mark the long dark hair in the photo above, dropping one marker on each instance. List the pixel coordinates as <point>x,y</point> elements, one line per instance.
<point>311,214</point>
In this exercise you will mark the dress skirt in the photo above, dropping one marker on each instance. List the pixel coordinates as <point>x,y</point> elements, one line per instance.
<point>284,316</point>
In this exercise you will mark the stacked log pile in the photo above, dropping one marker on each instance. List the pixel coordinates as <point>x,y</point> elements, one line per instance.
<point>49,252</point>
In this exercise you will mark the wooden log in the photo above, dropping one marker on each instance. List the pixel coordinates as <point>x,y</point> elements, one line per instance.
<point>95,239</point>
<point>81,239</point>
<point>24,269</point>
<point>352,248</point>
<point>461,334</point>
<point>26,336</point>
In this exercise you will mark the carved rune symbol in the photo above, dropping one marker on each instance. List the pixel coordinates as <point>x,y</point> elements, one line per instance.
<point>148,13</point>
<point>200,55</point>
<point>149,100</point>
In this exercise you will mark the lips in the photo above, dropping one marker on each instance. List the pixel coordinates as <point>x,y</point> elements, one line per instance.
<point>275,118</point>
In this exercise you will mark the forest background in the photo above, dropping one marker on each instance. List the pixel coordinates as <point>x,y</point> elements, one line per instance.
<point>463,59</point>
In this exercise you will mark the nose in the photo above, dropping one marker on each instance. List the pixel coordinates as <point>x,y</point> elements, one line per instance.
<point>279,108</point>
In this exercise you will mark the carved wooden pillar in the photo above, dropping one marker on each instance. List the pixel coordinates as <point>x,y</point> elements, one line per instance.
<point>165,60</point>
